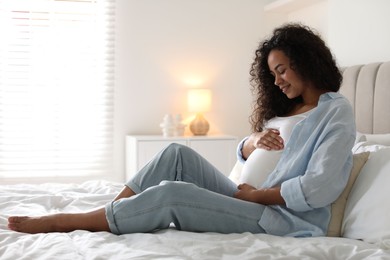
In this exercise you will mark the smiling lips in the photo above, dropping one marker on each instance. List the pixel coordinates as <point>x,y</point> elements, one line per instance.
<point>284,88</point>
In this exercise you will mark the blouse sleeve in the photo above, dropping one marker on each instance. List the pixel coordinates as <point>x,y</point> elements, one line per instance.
<point>239,150</point>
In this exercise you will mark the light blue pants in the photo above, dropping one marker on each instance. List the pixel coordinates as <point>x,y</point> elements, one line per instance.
<point>179,186</point>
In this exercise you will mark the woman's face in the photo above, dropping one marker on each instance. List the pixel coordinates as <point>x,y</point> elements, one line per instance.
<point>288,81</point>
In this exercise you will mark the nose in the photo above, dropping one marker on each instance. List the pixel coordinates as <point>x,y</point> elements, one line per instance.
<point>278,80</point>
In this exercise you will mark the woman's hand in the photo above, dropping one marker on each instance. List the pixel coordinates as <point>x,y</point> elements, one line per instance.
<point>271,196</point>
<point>268,139</point>
<point>246,192</point>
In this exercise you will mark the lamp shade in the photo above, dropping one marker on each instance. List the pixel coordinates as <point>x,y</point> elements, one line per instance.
<point>199,100</point>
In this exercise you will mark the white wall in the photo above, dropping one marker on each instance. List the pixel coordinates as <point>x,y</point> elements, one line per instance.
<point>315,15</point>
<point>163,47</point>
<point>357,31</point>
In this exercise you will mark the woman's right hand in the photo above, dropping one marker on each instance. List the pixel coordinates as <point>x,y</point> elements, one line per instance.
<point>269,139</point>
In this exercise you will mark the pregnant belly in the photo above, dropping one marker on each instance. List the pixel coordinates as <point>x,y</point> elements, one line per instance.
<point>258,166</point>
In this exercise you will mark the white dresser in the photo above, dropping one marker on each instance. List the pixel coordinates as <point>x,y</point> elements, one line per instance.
<point>220,150</point>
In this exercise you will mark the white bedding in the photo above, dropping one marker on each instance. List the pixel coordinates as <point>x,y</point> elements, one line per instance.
<point>41,199</point>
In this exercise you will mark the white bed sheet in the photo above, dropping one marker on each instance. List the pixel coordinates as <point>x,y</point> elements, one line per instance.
<point>41,199</point>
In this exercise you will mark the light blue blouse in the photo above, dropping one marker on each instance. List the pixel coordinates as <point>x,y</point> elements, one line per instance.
<point>313,169</point>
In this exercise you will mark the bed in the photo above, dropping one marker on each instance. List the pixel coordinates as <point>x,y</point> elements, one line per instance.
<point>362,223</point>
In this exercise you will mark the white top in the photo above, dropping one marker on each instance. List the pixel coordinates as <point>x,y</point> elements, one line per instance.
<point>262,162</point>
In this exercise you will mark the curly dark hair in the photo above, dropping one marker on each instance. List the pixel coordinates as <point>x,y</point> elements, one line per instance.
<point>309,57</point>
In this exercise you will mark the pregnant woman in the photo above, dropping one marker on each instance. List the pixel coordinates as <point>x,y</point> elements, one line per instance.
<point>298,110</point>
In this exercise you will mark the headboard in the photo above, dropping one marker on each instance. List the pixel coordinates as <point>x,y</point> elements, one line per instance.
<point>367,87</point>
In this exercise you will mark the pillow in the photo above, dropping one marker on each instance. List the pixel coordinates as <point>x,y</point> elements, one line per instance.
<point>383,139</point>
<point>360,137</point>
<point>367,146</point>
<point>367,210</point>
<point>338,206</point>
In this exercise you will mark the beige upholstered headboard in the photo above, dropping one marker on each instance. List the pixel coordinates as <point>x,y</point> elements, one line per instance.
<point>368,89</point>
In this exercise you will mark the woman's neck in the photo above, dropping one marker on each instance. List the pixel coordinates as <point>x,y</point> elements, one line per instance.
<point>309,101</point>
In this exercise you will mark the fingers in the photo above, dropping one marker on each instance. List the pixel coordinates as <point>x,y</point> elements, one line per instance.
<point>245,186</point>
<point>242,186</point>
<point>245,192</point>
<point>270,140</point>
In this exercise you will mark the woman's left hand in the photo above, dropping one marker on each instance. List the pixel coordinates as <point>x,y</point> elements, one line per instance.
<point>246,192</point>
<point>269,196</point>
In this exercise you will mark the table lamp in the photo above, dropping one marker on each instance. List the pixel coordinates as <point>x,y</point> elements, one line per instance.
<point>199,101</point>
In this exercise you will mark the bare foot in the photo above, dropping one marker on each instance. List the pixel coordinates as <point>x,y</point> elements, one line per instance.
<point>92,221</point>
<point>33,225</point>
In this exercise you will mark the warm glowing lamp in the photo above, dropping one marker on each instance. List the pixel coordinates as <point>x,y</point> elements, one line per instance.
<point>199,101</point>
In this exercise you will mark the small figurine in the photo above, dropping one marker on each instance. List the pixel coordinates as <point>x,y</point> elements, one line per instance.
<point>179,126</point>
<point>172,126</point>
<point>167,125</point>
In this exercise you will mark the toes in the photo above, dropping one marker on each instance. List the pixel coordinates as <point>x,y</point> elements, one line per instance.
<point>13,227</point>
<point>15,220</point>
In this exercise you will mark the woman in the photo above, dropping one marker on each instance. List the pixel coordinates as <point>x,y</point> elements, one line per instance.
<point>293,74</point>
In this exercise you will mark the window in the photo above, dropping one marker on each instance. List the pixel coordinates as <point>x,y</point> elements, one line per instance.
<point>56,87</point>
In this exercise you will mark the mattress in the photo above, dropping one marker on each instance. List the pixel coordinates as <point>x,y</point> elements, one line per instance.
<point>40,199</point>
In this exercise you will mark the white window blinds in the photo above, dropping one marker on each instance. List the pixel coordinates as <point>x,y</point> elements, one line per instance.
<point>56,87</point>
